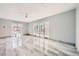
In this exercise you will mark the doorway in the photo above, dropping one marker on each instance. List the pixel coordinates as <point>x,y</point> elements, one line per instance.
<point>16,35</point>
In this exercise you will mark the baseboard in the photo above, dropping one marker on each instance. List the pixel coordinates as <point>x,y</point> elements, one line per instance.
<point>63,42</point>
<point>4,37</point>
<point>53,40</point>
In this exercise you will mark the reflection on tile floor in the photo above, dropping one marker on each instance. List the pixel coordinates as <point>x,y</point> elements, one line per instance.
<point>34,46</point>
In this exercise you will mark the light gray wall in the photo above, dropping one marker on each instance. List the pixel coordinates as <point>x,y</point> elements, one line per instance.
<point>7,31</point>
<point>77,27</point>
<point>62,26</point>
<point>25,28</point>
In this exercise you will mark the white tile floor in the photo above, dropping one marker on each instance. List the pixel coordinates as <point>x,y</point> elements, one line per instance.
<point>34,46</point>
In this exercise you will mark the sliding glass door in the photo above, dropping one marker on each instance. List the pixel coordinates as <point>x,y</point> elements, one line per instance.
<point>16,35</point>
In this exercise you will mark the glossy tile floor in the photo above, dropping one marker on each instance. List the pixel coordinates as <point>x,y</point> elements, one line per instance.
<point>34,46</point>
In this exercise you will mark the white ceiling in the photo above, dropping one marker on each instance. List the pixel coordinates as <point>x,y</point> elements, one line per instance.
<point>34,11</point>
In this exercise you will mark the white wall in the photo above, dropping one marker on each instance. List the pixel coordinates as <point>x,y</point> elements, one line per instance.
<point>7,30</point>
<point>61,26</point>
<point>77,27</point>
<point>25,28</point>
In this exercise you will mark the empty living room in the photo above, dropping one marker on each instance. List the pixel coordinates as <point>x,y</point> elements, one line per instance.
<point>39,29</point>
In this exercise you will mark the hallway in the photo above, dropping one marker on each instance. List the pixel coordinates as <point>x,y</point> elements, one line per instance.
<point>36,46</point>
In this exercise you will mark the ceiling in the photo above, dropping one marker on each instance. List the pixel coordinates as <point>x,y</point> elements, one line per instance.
<point>27,12</point>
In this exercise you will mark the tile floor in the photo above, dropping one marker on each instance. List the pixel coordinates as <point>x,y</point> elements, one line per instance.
<point>34,46</point>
